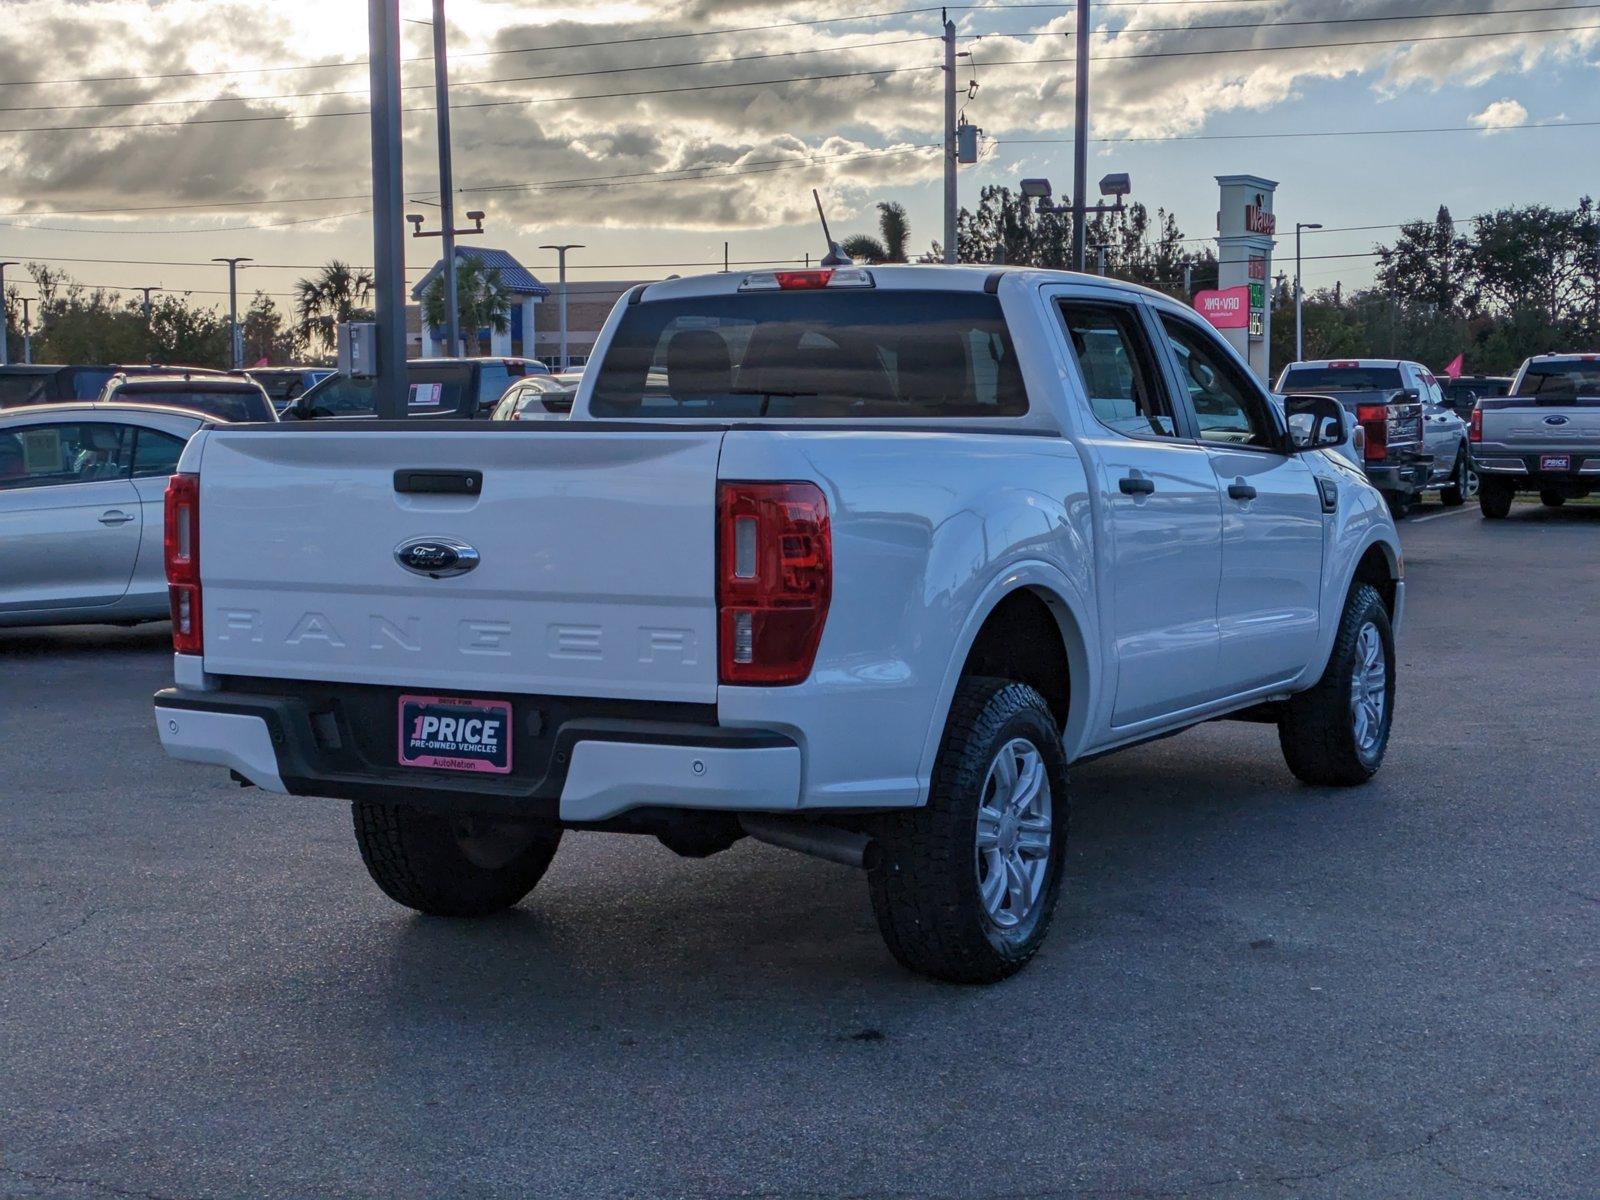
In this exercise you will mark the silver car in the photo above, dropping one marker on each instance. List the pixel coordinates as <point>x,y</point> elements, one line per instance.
<point>81,494</point>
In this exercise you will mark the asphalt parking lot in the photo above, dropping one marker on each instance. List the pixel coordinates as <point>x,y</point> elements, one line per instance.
<point>1254,989</point>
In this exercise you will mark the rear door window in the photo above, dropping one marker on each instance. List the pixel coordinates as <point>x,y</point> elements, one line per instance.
<point>64,453</point>
<point>1119,371</point>
<point>813,354</point>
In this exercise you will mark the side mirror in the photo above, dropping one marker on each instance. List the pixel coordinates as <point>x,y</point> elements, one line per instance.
<point>1410,394</point>
<point>1316,423</point>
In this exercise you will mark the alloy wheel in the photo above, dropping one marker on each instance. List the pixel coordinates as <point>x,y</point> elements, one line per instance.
<point>1369,691</point>
<point>1014,834</point>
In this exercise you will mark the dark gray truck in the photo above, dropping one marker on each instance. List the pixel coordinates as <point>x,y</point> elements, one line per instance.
<point>1386,397</point>
<point>1544,437</point>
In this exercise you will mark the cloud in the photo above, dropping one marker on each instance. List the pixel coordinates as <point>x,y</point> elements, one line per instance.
<point>722,130</point>
<point>1502,114</point>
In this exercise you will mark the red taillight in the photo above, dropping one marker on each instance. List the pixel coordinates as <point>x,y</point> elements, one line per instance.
<point>801,280</point>
<point>182,544</point>
<point>1374,421</point>
<point>1475,426</point>
<point>774,579</point>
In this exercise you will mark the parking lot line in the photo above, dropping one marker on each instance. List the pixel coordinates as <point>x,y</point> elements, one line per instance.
<point>1449,512</point>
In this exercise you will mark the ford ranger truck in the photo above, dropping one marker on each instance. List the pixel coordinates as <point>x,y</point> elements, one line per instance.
<point>854,562</point>
<point>1386,397</point>
<point>1544,437</point>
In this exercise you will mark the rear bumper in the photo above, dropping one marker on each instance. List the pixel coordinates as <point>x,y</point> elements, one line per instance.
<point>575,762</point>
<point>1404,476</point>
<point>1510,463</point>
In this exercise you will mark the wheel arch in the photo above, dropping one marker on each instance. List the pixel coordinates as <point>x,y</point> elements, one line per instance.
<point>1027,624</point>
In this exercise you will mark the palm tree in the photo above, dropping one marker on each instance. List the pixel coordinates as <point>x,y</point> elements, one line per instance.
<point>336,294</point>
<point>481,300</point>
<point>894,231</point>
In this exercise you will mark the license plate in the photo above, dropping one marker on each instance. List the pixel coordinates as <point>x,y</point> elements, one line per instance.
<point>1555,462</point>
<point>455,734</point>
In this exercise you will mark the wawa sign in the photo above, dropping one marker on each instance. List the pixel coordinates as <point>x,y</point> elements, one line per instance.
<point>1225,309</point>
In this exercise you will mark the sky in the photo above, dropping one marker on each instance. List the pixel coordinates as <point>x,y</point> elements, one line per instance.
<point>147,138</point>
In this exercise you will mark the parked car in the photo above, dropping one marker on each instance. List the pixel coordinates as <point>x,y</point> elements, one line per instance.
<point>81,489</point>
<point>1444,441</point>
<point>536,398</point>
<point>1544,437</point>
<point>855,562</point>
<point>47,383</point>
<point>283,384</point>
<point>1461,393</point>
<point>1386,397</point>
<point>224,397</point>
<point>436,387</point>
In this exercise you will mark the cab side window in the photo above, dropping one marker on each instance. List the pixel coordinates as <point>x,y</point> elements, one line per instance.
<point>155,453</point>
<point>1114,360</point>
<point>1228,407</point>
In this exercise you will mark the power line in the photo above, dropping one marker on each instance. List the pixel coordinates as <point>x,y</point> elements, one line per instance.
<point>733,59</point>
<point>1308,133</point>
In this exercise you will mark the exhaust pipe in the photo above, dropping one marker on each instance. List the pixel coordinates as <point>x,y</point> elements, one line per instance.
<point>843,846</point>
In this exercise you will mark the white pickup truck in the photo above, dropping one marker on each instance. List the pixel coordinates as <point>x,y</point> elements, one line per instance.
<point>1544,437</point>
<point>854,562</point>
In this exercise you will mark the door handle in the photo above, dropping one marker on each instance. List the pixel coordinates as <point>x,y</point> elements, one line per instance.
<point>1241,491</point>
<point>1136,485</point>
<point>115,516</point>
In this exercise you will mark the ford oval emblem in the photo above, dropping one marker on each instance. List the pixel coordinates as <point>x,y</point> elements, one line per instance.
<point>436,557</point>
<point>1555,420</point>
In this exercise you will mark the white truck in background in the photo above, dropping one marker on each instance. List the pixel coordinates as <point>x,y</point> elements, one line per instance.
<point>855,562</point>
<point>1544,437</point>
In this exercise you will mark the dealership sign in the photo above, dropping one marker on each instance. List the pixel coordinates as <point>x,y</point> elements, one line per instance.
<point>1225,309</point>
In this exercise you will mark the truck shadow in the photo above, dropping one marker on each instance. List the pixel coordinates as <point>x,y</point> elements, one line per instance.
<point>83,641</point>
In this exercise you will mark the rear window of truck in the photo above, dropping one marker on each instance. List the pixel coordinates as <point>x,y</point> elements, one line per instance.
<point>225,405</point>
<point>1341,379</point>
<point>1560,380</point>
<point>812,354</point>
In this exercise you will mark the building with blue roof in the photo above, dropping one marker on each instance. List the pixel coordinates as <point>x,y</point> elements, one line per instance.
<point>526,294</point>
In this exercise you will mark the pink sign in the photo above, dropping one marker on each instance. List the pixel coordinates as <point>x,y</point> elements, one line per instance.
<point>1225,309</point>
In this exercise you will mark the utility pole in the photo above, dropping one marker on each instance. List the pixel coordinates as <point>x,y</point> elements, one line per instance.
<point>27,330</point>
<point>1299,293</point>
<point>1188,276</point>
<point>145,307</point>
<point>235,352</point>
<point>949,40</point>
<point>447,204</point>
<point>1100,255</point>
<point>561,251</point>
<point>5,316</point>
<point>1080,139</point>
<point>388,198</point>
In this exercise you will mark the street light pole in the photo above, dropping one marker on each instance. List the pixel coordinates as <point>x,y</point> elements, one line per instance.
<point>447,203</point>
<point>1080,139</point>
<point>235,352</point>
<point>145,307</point>
<point>1299,330</point>
<point>388,199</point>
<point>561,269</point>
<point>5,316</point>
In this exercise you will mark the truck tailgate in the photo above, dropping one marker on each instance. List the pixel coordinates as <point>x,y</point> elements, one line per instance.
<point>1524,424</point>
<point>596,571</point>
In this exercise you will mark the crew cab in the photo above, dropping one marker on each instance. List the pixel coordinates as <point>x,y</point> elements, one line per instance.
<point>1544,437</point>
<point>851,561</point>
<point>1386,397</point>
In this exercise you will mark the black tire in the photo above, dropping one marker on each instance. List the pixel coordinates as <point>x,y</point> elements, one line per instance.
<point>1317,728</point>
<point>1454,494</point>
<point>925,884</point>
<point>1494,498</point>
<point>450,867</point>
<point>1551,499</point>
<point>1399,505</point>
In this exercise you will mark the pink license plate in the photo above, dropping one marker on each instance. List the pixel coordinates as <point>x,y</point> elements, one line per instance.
<point>1555,462</point>
<point>455,734</point>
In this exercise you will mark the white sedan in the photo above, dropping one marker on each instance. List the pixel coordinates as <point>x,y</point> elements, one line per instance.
<point>81,493</point>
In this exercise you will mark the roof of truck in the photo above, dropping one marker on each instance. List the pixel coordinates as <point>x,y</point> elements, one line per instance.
<point>959,277</point>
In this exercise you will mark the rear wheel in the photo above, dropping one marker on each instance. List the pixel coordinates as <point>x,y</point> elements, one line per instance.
<point>1494,498</point>
<point>1399,504</point>
<point>1463,485</point>
<point>451,866</point>
<point>1552,499</point>
<point>1335,734</point>
<point>965,886</point>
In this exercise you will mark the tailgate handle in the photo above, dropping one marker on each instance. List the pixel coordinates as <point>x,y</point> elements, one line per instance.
<point>439,483</point>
